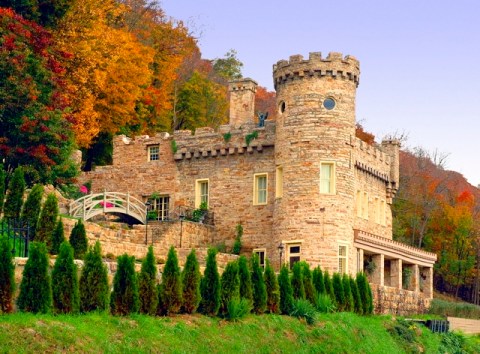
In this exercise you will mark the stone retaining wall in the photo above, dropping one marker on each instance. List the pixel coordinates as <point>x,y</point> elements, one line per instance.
<point>387,300</point>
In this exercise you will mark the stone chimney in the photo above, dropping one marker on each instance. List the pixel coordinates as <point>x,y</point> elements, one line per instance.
<point>242,101</point>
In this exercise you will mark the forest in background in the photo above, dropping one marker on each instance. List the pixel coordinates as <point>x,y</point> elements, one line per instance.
<point>73,73</point>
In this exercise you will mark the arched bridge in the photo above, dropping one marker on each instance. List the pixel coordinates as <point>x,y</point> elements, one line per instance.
<point>108,202</point>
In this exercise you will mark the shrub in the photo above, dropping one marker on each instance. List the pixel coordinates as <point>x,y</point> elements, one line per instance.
<point>307,283</point>
<point>47,221</point>
<point>32,208</point>
<point>191,283</point>
<point>455,309</point>
<point>3,176</point>
<point>302,308</point>
<point>370,297</point>
<point>237,309</point>
<point>78,240</point>
<point>328,285</point>
<point>65,282</point>
<point>365,293</point>
<point>357,300</point>
<point>273,292</point>
<point>210,286</point>
<point>171,284</point>
<point>349,302</point>
<point>147,287</point>
<point>124,299</point>
<point>339,292</point>
<point>93,282</point>
<point>317,279</point>
<point>14,201</point>
<point>297,281</point>
<point>58,237</point>
<point>286,291</point>
<point>258,285</point>
<point>246,291</point>
<point>230,286</point>
<point>35,289</point>
<point>237,246</point>
<point>324,304</point>
<point>7,279</point>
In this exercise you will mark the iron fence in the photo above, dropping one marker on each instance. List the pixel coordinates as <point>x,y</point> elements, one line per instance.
<point>18,234</point>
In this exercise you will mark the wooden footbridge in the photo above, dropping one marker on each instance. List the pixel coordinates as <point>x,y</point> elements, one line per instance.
<point>108,202</point>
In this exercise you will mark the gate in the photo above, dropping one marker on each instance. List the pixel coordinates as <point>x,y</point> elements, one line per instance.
<point>18,234</point>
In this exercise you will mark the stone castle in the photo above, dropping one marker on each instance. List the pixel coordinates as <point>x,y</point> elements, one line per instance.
<point>303,186</point>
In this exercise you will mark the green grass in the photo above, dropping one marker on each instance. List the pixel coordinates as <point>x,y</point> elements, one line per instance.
<point>332,333</point>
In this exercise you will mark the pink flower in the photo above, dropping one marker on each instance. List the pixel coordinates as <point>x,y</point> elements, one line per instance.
<point>83,190</point>
<point>107,204</point>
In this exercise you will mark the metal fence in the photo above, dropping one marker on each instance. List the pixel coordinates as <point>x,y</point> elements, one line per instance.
<point>18,233</point>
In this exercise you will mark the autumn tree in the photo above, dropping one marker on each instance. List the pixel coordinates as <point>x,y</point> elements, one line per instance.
<point>44,12</point>
<point>265,102</point>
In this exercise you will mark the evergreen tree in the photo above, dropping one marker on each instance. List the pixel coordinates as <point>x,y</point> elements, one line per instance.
<point>191,283</point>
<point>147,287</point>
<point>286,291</point>
<point>35,289</point>
<point>246,291</point>
<point>258,285</point>
<point>307,283</point>
<point>363,289</point>
<point>297,281</point>
<point>65,282</point>
<point>48,220</point>
<point>7,279</point>
<point>230,286</point>
<point>31,209</point>
<point>78,240</point>
<point>273,291</point>
<point>338,290</point>
<point>210,286</point>
<point>14,201</point>
<point>124,299</point>
<point>357,300</point>
<point>94,281</point>
<point>3,177</point>
<point>349,302</point>
<point>58,237</point>
<point>317,279</point>
<point>171,284</point>
<point>369,297</point>
<point>329,286</point>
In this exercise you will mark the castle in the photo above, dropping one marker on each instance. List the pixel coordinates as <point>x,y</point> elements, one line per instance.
<point>303,186</point>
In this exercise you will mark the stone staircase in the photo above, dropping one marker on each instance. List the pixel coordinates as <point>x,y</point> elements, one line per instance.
<point>465,325</point>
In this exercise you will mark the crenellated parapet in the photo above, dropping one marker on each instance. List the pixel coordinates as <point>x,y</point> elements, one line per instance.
<point>334,65</point>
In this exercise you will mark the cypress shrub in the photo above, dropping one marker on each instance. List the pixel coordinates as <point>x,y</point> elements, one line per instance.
<point>7,279</point>
<point>246,291</point>
<point>48,220</point>
<point>258,285</point>
<point>349,302</point>
<point>94,282</point>
<point>191,283</point>
<point>124,299</point>
<point>297,281</point>
<point>230,286</point>
<point>273,291</point>
<point>369,297</point>
<point>78,240</point>
<point>237,246</point>
<point>147,287</point>
<point>317,279</point>
<point>339,292</point>
<point>363,289</point>
<point>32,208</point>
<point>3,176</point>
<point>357,300</point>
<point>58,237</point>
<point>210,286</point>
<point>171,284</point>
<point>35,289</point>
<point>65,282</point>
<point>307,283</point>
<point>14,201</point>
<point>329,286</point>
<point>161,303</point>
<point>286,291</point>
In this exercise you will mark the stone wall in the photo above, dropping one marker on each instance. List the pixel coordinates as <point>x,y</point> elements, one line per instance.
<point>387,300</point>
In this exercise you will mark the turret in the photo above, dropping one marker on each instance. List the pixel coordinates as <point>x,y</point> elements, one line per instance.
<point>242,101</point>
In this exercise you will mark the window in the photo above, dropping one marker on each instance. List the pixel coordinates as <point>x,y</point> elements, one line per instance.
<point>293,254</point>
<point>327,178</point>
<point>279,182</point>
<point>329,103</point>
<point>260,189</point>
<point>201,192</point>
<point>342,259</point>
<point>160,205</point>
<point>361,204</point>
<point>153,153</point>
<point>261,252</point>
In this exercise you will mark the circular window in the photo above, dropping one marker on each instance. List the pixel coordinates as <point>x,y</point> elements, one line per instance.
<point>281,107</point>
<point>329,103</point>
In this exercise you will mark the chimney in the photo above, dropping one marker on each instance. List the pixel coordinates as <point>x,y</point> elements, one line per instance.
<point>242,101</point>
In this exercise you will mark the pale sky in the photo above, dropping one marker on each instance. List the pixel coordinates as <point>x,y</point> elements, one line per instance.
<point>419,60</point>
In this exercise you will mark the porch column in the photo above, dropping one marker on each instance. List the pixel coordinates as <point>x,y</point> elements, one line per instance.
<point>396,273</point>
<point>415,278</point>
<point>359,260</point>
<point>377,276</point>
<point>427,272</point>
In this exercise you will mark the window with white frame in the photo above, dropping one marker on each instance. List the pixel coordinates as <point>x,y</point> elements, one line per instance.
<point>327,178</point>
<point>342,259</point>
<point>260,184</point>
<point>160,205</point>
<point>153,153</point>
<point>294,251</point>
<point>279,182</point>
<point>261,253</point>
<point>201,192</point>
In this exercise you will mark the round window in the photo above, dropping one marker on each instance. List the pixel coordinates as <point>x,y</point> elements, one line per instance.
<point>281,107</point>
<point>329,103</point>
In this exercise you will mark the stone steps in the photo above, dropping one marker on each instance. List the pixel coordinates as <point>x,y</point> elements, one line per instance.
<point>465,325</point>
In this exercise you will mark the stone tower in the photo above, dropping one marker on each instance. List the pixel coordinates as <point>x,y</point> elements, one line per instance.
<point>242,101</point>
<point>313,155</point>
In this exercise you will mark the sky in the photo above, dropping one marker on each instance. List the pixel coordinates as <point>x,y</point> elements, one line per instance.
<point>419,60</point>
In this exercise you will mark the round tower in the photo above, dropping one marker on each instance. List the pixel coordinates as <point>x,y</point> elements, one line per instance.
<point>315,129</point>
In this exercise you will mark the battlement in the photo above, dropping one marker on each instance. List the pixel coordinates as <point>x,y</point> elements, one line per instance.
<point>334,65</point>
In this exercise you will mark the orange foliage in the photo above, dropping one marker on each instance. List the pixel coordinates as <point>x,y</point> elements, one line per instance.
<point>265,101</point>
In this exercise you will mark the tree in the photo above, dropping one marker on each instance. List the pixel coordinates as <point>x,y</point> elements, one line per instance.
<point>3,177</point>
<point>191,283</point>
<point>245,276</point>
<point>147,287</point>
<point>329,286</point>
<point>65,291</point>
<point>171,284</point>
<point>210,286</point>
<point>286,291</point>
<point>339,291</point>
<point>78,240</point>
<point>36,290</point>
<point>310,294</point>
<point>358,306</point>
<point>32,208</point>
<point>230,67</point>
<point>44,12</point>
<point>349,301</point>
<point>237,246</point>
<point>273,291</point>
<point>230,286</point>
<point>58,237</point>
<point>7,276</point>
<point>124,298</point>
<point>265,102</point>
<point>48,220</point>
<point>258,285</point>
<point>297,281</point>
<point>94,282</point>
<point>16,188</point>
<point>317,279</point>
<point>365,292</point>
